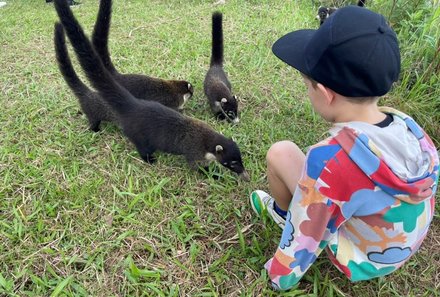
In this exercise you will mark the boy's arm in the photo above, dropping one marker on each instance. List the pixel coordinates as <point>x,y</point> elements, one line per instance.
<point>312,220</point>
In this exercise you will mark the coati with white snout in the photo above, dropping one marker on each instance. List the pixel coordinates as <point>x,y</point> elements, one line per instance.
<point>325,12</point>
<point>91,102</point>
<point>172,93</point>
<point>149,125</point>
<point>216,85</point>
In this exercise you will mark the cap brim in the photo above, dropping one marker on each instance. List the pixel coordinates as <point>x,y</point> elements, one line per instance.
<point>291,49</point>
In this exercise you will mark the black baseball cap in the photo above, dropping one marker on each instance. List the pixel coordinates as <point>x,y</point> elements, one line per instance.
<point>354,52</point>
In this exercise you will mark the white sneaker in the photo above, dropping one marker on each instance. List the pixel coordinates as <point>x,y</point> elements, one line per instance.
<point>262,202</point>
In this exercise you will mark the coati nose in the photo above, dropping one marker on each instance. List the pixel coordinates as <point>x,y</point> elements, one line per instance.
<point>245,176</point>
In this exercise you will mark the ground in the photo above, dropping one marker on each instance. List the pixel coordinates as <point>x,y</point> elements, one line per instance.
<point>82,215</point>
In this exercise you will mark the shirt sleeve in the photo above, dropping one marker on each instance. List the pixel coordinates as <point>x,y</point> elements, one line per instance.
<point>310,223</point>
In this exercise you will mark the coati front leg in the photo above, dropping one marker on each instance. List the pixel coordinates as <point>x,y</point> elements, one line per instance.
<point>220,116</point>
<point>146,152</point>
<point>202,166</point>
<point>196,164</point>
<point>94,124</point>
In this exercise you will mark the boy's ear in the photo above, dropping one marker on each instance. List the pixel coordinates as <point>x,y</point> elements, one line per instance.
<point>328,94</point>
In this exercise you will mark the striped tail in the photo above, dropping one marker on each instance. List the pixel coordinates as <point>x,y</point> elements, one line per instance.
<point>116,96</point>
<point>217,39</point>
<point>101,34</point>
<point>65,64</point>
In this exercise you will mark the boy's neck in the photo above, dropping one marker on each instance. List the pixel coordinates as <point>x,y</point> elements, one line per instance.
<point>365,112</point>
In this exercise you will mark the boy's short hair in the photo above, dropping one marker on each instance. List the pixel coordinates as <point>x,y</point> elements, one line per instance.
<point>351,99</point>
<point>354,52</point>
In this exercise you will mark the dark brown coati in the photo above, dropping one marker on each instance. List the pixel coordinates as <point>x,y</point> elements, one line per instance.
<point>92,105</point>
<point>216,85</point>
<point>325,12</point>
<point>149,125</point>
<point>172,93</point>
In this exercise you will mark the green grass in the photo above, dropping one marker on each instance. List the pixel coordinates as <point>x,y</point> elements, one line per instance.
<point>82,215</point>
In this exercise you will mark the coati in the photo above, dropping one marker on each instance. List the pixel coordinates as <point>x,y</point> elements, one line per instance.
<point>92,105</point>
<point>325,12</point>
<point>172,93</point>
<point>216,85</point>
<point>149,125</point>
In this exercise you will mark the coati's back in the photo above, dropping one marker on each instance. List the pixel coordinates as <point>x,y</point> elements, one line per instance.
<point>216,85</point>
<point>164,129</point>
<point>93,106</point>
<point>216,78</point>
<point>171,93</point>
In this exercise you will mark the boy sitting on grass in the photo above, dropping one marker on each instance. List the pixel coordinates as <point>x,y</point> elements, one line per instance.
<point>366,193</point>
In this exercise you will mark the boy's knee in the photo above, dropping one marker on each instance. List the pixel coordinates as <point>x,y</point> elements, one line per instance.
<point>281,150</point>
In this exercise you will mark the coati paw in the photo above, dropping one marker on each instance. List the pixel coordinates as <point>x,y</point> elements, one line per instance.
<point>150,159</point>
<point>94,125</point>
<point>220,116</point>
<point>95,128</point>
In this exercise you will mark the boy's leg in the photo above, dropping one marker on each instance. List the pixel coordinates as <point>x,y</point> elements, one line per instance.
<point>285,162</point>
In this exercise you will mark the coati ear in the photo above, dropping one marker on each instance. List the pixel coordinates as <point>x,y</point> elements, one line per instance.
<point>224,100</point>
<point>189,86</point>
<point>218,148</point>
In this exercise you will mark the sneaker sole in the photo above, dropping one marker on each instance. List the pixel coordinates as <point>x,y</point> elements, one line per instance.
<point>253,204</point>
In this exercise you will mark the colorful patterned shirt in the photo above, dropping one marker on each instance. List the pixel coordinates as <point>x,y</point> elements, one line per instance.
<point>366,196</point>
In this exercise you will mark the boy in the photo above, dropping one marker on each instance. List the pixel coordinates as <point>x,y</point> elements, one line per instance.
<point>366,193</point>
